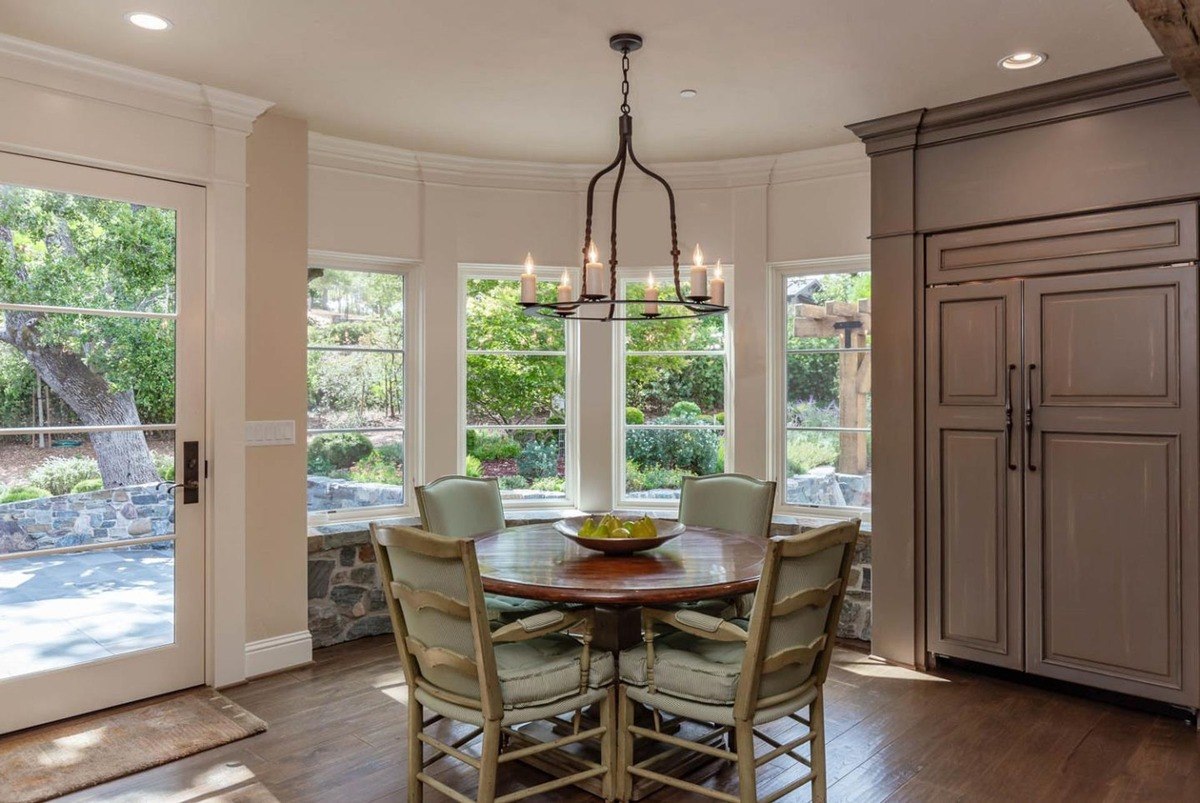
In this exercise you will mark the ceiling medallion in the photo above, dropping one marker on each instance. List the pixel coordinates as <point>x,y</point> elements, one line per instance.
<point>595,301</point>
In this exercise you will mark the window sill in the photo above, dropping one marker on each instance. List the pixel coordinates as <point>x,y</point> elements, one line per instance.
<point>356,533</point>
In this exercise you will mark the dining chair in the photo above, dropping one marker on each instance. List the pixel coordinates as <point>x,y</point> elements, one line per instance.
<point>461,670</point>
<point>735,502</point>
<point>734,676</point>
<point>463,507</point>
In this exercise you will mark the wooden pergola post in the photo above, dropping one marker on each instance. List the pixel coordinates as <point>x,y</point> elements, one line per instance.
<point>850,322</point>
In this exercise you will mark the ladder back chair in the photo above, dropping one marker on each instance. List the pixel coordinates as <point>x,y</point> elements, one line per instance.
<point>464,507</point>
<point>735,502</point>
<point>736,675</point>
<point>461,670</point>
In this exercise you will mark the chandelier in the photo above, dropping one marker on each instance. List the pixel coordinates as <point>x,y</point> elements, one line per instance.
<point>595,301</point>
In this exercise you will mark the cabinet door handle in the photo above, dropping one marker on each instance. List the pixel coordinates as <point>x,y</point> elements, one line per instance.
<point>1008,418</point>
<point>1029,417</point>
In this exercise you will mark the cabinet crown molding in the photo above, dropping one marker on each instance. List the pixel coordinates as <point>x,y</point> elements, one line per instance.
<point>1077,96</point>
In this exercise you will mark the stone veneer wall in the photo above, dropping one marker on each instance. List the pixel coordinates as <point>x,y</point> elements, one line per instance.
<point>345,597</point>
<point>88,518</point>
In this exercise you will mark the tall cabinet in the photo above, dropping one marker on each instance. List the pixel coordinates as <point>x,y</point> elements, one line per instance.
<point>1061,449</point>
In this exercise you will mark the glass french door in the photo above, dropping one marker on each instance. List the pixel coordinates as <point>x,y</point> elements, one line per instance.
<point>101,439</point>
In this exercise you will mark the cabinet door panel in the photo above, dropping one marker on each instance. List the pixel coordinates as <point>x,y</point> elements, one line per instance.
<point>973,505</point>
<point>1111,512</point>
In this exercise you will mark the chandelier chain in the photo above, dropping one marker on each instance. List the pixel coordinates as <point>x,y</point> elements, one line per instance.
<point>625,81</point>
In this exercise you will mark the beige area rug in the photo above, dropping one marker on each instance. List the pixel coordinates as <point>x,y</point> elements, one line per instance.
<point>43,763</point>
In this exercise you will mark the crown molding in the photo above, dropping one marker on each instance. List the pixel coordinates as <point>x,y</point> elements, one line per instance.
<point>78,74</point>
<point>1141,82</point>
<point>468,171</point>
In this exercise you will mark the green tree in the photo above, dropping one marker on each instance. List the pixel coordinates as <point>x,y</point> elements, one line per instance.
<point>76,251</point>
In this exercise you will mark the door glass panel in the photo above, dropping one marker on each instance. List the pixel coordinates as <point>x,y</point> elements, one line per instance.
<point>87,441</point>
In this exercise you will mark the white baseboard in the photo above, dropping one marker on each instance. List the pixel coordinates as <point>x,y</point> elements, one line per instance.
<point>278,653</point>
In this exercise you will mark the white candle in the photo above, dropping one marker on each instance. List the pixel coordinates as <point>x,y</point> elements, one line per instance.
<point>651,308</point>
<point>528,282</point>
<point>594,272</point>
<point>564,289</point>
<point>716,288</point>
<point>699,274</point>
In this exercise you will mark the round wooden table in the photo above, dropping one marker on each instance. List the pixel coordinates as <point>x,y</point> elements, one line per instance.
<point>536,562</point>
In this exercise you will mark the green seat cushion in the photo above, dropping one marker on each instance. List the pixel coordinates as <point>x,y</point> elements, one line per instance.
<point>509,609</point>
<point>699,669</point>
<point>546,669</point>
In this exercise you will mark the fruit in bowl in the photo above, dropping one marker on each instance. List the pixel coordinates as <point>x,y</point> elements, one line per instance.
<point>612,527</point>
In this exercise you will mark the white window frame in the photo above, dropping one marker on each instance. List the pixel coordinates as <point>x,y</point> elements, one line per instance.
<point>413,363</point>
<point>665,279</point>
<point>779,273</point>
<point>570,428</point>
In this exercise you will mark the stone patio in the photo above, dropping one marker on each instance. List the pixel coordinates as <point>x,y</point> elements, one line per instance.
<point>60,610</point>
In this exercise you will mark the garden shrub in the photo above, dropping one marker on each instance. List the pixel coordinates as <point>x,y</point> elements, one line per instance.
<point>494,447</point>
<point>393,452</point>
<point>23,493</point>
<point>651,478</point>
<point>164,464</point>
<point>58,475</point>
<point>538,460</point>
<point>555,420</point>
<point>339,450</point>
<point>720,417</point>
<point>694,451</point>
<point>87,486</point>
<point>685,409</point>
<point>473,468</point>
<point>514,482</point>
<point>550,485</point>
<point>634,416</point>
<point>806,452</point>
<point>376,467</point>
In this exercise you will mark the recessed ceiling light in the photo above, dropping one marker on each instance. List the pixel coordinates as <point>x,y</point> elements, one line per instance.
<point>1022,60</point>
<point>151,22</point>
<point>687,93</point>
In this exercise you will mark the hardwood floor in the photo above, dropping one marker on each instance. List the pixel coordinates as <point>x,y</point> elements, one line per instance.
<point>337,734</point>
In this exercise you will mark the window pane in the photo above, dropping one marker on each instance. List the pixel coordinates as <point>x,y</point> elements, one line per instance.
<point>657,459</point>
<point>516,389</point>
<point>355,308</point>
<point>529,463</point>
<point>829,390</point>
<point>823,311</point>
<point>675,390</point>
<point>828,469</point>
<point>348,389</point>
<point>355,469</point>
<point>496,322</point>
<point>110,370</point>
<point>118,255</point>
<point>685,334</point>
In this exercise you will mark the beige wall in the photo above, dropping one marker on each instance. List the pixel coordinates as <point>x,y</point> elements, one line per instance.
<point>276,263</point>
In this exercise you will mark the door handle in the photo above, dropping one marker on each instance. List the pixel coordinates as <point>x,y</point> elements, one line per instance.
<point>1029,417</point>
<point>1008,419</point>
<point>191,474</point>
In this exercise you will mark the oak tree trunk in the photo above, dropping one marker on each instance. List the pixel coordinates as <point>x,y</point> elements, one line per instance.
<point>123,457</point>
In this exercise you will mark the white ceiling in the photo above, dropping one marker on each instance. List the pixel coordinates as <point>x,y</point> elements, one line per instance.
<point>535,79</point>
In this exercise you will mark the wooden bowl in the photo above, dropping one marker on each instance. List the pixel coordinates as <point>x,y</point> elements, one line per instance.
<point>569,528</point>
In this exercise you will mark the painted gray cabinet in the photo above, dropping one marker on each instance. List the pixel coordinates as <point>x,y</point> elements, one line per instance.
<point>1061,488</point>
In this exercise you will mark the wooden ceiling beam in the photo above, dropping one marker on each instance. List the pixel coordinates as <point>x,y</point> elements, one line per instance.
<point>1175,26</point>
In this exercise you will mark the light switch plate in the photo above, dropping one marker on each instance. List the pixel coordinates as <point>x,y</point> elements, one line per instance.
<point>270,433</point>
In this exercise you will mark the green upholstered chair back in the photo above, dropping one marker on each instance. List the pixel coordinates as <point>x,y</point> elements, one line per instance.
<point>794,620</point>
<point>435,599</point>
<point>733,502</point>
<point>461,506</point>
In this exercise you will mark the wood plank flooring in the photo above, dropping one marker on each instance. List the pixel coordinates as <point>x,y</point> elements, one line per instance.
<point>337,734</point>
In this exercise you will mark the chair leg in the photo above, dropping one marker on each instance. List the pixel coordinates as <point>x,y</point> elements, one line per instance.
<point>416,716</point>
<point>816,719</point>
<point>625,748</point>
<point>747,772</point>
<point>489,762</point>
<point>608,744</point>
